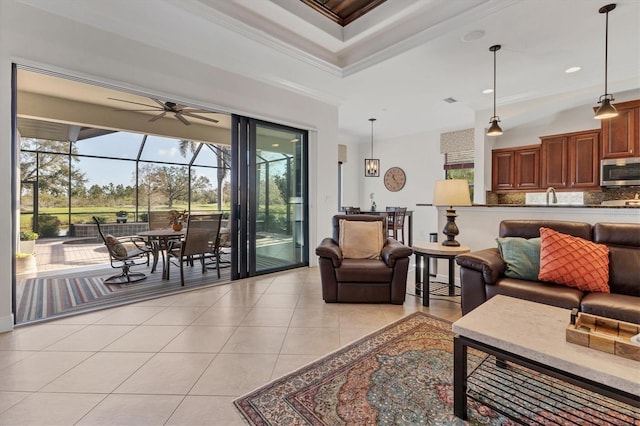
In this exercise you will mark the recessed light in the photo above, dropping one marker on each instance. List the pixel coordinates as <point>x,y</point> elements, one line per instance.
<point>275,145</point>
<point>572,69</point>
<point>473,35</point>
<point>487,91</point>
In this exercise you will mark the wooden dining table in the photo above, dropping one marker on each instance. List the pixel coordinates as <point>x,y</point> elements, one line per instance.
<point>159,238</point>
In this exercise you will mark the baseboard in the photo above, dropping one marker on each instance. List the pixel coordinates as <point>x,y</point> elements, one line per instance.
<point>6,323</point>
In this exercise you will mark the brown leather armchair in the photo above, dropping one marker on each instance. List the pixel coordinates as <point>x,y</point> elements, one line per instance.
<point>382,280</point>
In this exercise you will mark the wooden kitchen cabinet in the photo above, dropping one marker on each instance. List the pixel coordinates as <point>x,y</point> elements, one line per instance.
<point>554,161</point>
<point>571,160</point>
<point>515,169</point>
<point>621,134</point>
<point>527,168</point>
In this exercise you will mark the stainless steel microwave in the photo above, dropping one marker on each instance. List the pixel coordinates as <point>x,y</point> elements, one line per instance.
<point>620,172</point>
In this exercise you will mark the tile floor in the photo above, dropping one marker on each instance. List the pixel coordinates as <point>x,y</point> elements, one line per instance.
<point>181,359</point>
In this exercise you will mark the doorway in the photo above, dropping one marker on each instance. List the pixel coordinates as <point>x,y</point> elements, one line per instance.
<point>269,197</point>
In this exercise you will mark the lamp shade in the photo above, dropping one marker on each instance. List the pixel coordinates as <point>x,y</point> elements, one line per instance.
<point>606,110</point>
<point>451,192</point>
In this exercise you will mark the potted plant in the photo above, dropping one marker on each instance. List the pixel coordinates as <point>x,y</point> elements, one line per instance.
<point>176,218</point>
<point>25,263</point>
<point>28,242</point>
<point>121,216</point>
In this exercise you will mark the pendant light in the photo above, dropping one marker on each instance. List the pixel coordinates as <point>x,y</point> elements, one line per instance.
<point>494,129</point>
<point>371,165</point>
<point>606,110</point>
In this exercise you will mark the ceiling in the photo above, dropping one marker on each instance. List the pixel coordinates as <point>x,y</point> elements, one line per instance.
<point>343,12</point>
<point>401,60</point>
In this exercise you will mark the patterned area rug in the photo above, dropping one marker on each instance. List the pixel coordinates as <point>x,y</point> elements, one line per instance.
<point>39,298</point>
<point>402,375</point>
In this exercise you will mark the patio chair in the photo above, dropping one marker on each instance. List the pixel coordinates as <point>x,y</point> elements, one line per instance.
<point>125,252</point>
<point>200,243</point>
<point>159,220</point>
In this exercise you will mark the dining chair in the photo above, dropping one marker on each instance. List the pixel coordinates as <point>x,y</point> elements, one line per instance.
<point>395,222</point>
<point>199,243</point>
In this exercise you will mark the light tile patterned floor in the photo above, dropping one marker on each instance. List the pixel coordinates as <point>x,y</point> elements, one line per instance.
<point>181,359</point>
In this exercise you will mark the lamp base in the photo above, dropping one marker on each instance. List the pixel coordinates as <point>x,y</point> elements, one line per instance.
<point>451,229</point>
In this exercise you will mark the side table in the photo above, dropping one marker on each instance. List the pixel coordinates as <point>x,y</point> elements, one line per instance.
<point>425,251</point>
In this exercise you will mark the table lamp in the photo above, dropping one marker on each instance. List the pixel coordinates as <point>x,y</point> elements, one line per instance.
<point>451,192</point>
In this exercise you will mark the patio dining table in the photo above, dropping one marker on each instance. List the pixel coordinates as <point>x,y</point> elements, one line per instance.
<point>159,238</point>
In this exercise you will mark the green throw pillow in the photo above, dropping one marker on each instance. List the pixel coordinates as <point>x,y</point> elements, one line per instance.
<point>521,256</point>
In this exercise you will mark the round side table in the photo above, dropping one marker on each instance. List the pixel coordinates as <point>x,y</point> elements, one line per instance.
<point>426,251</point>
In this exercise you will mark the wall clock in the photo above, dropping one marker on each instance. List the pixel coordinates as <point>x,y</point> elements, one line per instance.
<point>394,179</point>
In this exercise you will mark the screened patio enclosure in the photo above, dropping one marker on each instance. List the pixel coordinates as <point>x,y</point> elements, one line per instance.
<point>116,176</point>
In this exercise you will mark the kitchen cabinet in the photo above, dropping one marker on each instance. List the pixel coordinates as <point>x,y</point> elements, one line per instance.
<point>571,160</point>
<point>515,169</point>
<point>621,134</point>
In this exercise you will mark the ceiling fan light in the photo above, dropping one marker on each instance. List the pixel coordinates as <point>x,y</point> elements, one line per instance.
<point>606,110</point>
<point>494,129</point>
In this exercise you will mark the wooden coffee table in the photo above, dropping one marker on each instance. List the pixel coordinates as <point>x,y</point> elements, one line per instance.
<point>533,335</point>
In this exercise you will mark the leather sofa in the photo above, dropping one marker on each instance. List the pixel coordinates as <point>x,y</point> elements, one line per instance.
<point>482,272</point>
<point>382,280</point>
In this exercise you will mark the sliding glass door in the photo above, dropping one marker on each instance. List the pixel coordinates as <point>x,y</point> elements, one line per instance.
<point>269,196</point>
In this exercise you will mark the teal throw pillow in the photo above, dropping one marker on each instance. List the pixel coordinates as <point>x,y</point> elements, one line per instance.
<point>521,256</point>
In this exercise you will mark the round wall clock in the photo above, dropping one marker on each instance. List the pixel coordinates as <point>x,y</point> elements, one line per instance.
<point>394,179</point>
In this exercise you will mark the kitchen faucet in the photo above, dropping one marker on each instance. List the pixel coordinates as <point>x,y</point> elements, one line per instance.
<point>554,200</point>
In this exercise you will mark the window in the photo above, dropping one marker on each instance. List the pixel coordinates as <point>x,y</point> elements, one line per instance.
<point>459,165</point>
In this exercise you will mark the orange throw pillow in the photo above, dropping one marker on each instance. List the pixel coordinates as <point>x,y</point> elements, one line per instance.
<point>573,261</point>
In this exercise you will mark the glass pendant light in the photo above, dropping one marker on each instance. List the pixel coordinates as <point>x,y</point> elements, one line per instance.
<point>371,165</point>
<point>606,110</point>
<point>494,129</point>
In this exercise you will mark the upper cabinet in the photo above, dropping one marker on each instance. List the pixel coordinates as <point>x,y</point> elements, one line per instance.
<point>516,168</point>
<point>621,134</point>
<point>571,160</point>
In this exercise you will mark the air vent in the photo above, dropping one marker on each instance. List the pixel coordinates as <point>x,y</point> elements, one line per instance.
<point>450,100</point>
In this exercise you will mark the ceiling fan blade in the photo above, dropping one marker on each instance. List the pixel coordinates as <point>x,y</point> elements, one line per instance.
<point>159,102</point>
<point>159,116</point>
<point>181,118</point>
<point>201,111</point>
<point>136,110</point>
<point>131,102</point>
<point>199,117</point>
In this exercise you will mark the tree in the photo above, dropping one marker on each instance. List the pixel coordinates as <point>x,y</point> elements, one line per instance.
<point>170,182</point>
<point>223,154</point>
<point>50,167</point>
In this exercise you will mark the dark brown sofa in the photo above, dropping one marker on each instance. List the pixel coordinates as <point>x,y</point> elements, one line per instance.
<point>482,272</point>
<point>381,280</point>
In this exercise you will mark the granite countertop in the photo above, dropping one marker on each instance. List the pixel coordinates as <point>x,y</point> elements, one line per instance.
<point>575,206</point>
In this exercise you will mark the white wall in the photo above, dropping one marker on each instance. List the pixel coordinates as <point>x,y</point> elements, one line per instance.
<point>418,155</point>
<point>33,37</point>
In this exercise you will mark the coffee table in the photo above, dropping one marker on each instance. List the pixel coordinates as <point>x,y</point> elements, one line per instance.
<point>533,335</point>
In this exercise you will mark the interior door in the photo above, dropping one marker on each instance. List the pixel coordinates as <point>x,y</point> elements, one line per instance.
<point>269,195</point>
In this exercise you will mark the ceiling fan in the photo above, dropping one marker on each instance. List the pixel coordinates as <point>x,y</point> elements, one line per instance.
<point>179,111</point>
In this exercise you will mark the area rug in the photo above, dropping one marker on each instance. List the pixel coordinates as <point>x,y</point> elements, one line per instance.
<point>403,375</point>
<point>39,298</point>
